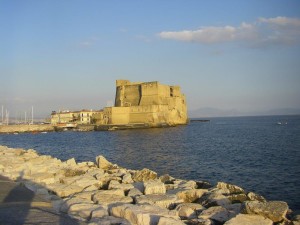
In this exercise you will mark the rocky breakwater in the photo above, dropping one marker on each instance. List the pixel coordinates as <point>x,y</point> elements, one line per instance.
<point>103,193</point>
<point>21,128</point>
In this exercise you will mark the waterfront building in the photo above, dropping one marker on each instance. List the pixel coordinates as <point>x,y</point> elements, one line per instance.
<point>146,103</point>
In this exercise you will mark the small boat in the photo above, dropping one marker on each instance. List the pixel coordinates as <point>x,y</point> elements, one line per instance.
<point>282,123</point>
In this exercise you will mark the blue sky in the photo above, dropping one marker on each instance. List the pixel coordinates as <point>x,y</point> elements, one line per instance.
<point>241,55</point>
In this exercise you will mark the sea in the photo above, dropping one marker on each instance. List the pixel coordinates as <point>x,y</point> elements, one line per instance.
<point>260,153</point>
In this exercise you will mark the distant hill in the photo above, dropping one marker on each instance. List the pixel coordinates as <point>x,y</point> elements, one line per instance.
<point>215,112</point>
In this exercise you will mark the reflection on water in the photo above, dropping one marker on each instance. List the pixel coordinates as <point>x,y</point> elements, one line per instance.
<point>253,152</point>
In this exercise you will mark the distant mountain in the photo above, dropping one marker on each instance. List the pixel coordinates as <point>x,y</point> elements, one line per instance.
<point>283,111</point>
<point>212,112</point>
<point>215,112</point>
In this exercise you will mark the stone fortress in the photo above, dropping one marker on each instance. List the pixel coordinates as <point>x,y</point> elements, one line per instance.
<point>137,104</point>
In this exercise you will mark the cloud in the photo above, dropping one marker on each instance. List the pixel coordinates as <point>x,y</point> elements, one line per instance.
<point>209,35</point>
<point>281,21</point>
<point>143,38</point>
<point>263,32</point>
<point>88,42</point>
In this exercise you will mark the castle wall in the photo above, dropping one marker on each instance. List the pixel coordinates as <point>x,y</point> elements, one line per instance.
<point>151,114</point>
<point>149,102</point>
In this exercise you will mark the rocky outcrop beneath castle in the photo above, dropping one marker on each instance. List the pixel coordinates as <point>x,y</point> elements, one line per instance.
<point>20,128</point>
<point>101,192</point>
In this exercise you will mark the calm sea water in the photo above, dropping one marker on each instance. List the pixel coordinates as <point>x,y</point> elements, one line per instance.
<point>253,152</point>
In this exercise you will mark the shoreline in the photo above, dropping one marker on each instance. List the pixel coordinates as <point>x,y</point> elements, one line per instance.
<point>25,128</point>
<point>40,128</point>
<point>102,192</point>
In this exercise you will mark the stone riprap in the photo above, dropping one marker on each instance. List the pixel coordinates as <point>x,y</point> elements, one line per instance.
<point>104,193</point>
<point>21,128</point>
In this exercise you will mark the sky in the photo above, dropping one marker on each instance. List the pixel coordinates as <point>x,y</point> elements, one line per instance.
<point>236,55</point>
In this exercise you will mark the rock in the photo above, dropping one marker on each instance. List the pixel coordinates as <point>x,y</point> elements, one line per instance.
<point>118,192</point>
<point>296,219</point>
<point>86,181</point>
<point>83,210</point>
<point>154,187</point>
<point>134,192</point>
<point>184,184</point>
<point>105,180</point>
<point>139,186</point>
<point>255,197</point>
<point>71,162</point>
<point>86,195</point>
<point>233,189</point>
<point>274,210</point>
<point>64,190</point>
<point>189,210</point>
<point>169,221</point>
<point>203,185</point>
<point>127,179</point>
<point>238,198</point>
<point>166,179</point>
<point>234,209</point>
<point>213,199</point>
<point>244,219</point>
<point>286,222</point>
<point>144,175</point>
<point>68,202</point>
<point>141,214</point>
<point>216,213</point>
<point>99,212</point>
<point>107,197</point>
<point>113,184</point>
<point>104,164</point>
<point>188,195</point>
<point>108,220</point>
<point>162,200</point>
<point>73,172</point>
<point>43,177</point>
<point>200,221</point>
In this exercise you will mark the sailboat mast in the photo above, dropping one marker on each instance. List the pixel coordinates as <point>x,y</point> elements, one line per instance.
<point>32,114</point>
<point>2,115</point>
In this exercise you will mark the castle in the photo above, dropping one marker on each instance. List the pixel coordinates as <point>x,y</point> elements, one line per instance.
<point>149,103</point>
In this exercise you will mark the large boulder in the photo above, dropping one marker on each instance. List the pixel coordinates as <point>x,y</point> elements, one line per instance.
<point>68,202</point>
<point>189,210</point>
<point>104,164</point>
<point>107,197</point>
<point>162,200</point>
<point>274,210</point>
<point>114,184</point>
<point>256,197</point>
<point>169,221</point>
<point>141,214</point>
<point>108,220</point>
<point>154,187</point>
<point>188,195</point>
<point>214,199</point>
<point>64,190</point>
<point>217,213</point>
<point>84,210</point>
<point>144,175</point>
<point>127,178</point>
<point>232,189</point>
<point>245,219</point>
